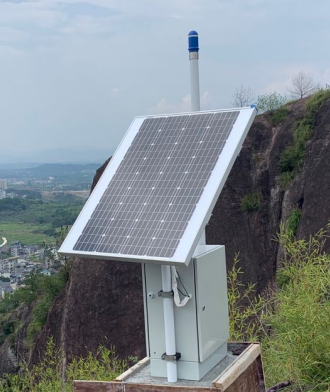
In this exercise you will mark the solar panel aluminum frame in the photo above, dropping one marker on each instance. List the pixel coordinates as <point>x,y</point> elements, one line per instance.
<point>203,210</point>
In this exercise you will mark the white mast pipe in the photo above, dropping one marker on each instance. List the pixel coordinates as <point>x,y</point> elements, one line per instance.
<point>194,82</point>
<point>169,324</point>
<point>194,85</point>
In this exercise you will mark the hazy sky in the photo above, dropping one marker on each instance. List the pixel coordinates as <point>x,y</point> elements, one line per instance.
<point>73,74</point>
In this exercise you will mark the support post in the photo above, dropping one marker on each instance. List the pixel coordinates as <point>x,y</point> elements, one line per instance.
<point>168,305</point>
<point>193,49</point>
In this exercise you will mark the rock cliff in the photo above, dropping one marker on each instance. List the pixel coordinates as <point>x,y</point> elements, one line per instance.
<point>102,302</point>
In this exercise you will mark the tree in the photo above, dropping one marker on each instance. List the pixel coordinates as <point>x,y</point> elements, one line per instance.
<point>243,96</point>
<point>270,102</point>
<point>302,85</point>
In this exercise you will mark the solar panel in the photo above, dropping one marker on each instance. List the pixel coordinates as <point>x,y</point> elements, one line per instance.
<point>158,191</point>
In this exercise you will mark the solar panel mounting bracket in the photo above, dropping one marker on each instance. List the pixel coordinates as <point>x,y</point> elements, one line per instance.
<point>166,294</point>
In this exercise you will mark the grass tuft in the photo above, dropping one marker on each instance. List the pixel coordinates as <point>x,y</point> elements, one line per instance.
<point>251,202</point>
<point>48,376</point>
<point>279,116</point>
<point>298,348</point>
<point>291,322</point>
<point>293,222</point>
<point>293,156</point>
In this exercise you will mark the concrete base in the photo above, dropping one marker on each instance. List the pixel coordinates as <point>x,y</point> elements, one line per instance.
<point>240,370</point>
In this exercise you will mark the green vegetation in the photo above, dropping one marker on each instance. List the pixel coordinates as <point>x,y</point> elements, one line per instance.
<point>45,289</point>
<point>285,179</point>
<point>279,116</point>
<point>26,193</point>
<point>32,221</point>
<point>48,375</point>
<point>243,306</point>
<point>292,322</point>
<point>293,156</point>
<point>293,222</point>
<point>25,233</point>
<point>251,202</point>
<point>299,346</point>
<point>270,102</point>
<point>316,100</point>
<point>39,289</point>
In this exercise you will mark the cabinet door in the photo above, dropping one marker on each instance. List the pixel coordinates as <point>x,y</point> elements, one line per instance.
<point>185,317</point>
<point>212,302</point>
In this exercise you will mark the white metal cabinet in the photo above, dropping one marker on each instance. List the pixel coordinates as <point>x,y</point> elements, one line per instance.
<point>201,326</point>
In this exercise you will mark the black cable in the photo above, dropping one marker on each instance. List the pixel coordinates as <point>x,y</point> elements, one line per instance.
<point>182,293</point>
<point>187,294</point>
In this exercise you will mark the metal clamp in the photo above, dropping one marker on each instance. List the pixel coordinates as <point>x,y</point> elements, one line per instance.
<point>172,358</point>
<point>166,294</point>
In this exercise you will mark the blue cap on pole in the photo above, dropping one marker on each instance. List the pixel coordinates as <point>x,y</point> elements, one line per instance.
<point>193,41</point>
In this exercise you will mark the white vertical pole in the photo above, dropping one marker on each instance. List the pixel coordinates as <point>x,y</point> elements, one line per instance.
<point>169,324</point>
<point>194,82</point>
<point>193,48</point>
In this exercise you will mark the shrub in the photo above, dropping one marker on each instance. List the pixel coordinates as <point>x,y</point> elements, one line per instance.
<point>302,132</point>
<point>292,323</point>
<point>316,100</point>
<point>270,102</point>
<point>8,327</point>
<point>293,156</point>
<point>285,179</point>
<point>251,202</point>
<point>298,349</point>
<point>245,309</point>
<point>293,222</point>
<point>48,376</point>
<point>279,116</point>
<point>46,288</point>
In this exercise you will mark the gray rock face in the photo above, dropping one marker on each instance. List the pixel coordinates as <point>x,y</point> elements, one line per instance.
<point>102,303</point>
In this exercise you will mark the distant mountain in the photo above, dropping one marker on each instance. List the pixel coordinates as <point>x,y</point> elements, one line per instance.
<point>60,169</point>
<point>56,170</point>
<point>56,155</point>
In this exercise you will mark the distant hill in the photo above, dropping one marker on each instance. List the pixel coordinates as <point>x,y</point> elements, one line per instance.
<point>57,155</point>
<point>57,170</point>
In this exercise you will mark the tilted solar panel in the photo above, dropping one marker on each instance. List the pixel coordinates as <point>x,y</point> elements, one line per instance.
<point>158,191</point>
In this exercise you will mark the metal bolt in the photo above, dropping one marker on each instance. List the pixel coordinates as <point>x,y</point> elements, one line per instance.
<point>151,295</point>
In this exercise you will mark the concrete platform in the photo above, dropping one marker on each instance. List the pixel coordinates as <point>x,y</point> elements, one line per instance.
<point>240,371</point>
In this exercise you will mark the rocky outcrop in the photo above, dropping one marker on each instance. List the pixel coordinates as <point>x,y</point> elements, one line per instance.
<point>102,303</point>
<point>252,234</point>
<point>14,349</point>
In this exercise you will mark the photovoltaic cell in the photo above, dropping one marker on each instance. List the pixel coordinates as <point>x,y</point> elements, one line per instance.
<point>149,201</point>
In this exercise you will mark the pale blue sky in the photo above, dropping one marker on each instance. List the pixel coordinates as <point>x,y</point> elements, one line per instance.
<point>73,74</point>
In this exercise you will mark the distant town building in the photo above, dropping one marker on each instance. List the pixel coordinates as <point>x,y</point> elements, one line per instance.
<point>3,184</point>
<point>5,287</point>
<point>19,270</point>
<point>16,249</point>
<point>8,264</point>
<point>5,273</point>
<point>2,194</point>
